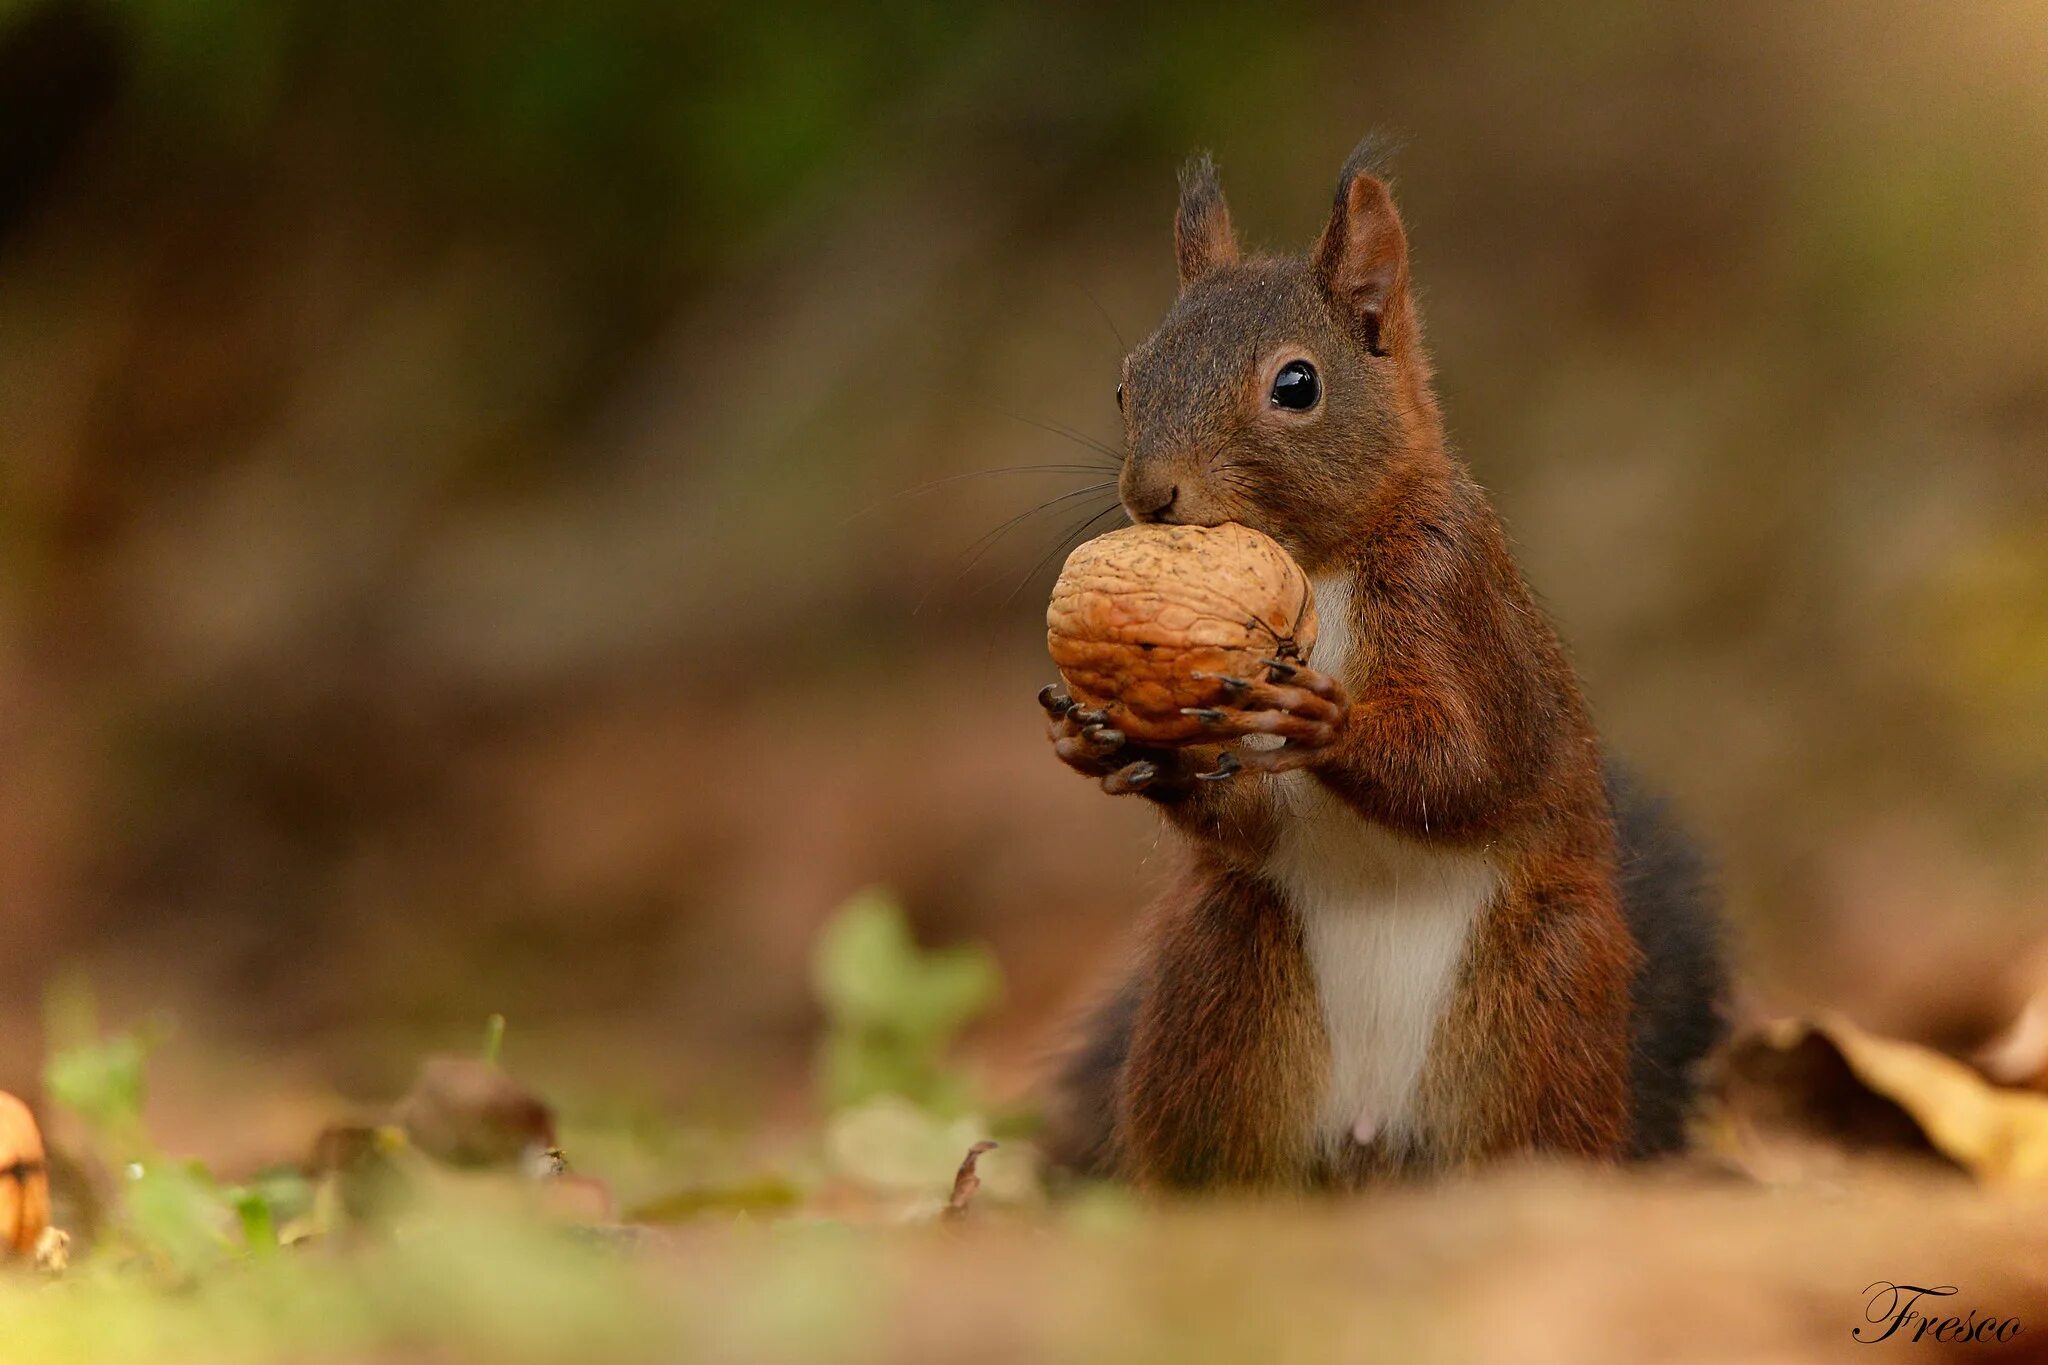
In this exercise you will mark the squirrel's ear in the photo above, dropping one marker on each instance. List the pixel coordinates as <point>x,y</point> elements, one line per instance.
<point>1361,260</point>
<point>1202,236</point>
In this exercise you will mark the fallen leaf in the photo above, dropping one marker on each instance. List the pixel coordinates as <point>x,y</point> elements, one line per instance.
<point>965,1182</point>
<point>1830,1083</point>
<point>2018,1054</point>
<point>1998,1135</point>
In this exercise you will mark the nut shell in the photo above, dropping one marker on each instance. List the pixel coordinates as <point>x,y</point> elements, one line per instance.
<point>24,1179</point>
<point>1138,612</point>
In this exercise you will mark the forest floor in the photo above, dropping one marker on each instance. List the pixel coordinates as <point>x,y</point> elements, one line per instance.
<point>1846,1191</point>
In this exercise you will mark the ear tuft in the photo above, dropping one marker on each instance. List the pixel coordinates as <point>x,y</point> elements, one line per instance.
<point>1361,260</point>
<point>1373,156</point>
<point>1203,238</point>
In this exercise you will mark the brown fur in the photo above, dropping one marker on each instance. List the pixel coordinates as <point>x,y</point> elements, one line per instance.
<point>1463,725</point>
<point>1219,1101</point>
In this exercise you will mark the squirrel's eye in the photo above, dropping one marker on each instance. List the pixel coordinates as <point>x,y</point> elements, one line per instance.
<point>1296,386</point>
<point>1119,397</point>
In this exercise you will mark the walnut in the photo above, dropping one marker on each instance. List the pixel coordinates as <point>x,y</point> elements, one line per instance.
<point>1139,612</point>
<point>24,1179</point>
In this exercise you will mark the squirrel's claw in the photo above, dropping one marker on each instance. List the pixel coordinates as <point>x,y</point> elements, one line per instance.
<point>1086,744</point>
<point>1295,699</point>
<point>1305,678</point>
<point>1101,739</point>
<point>1148,753</point>
<point>1131,777</point>
<point>1307,731</point>
<point>1233,687</point>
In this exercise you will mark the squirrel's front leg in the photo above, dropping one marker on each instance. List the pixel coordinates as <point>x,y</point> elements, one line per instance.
<point>1227,1051</point>
<point>1203,787</point>
<point>1295,704</point>
<point>1306,711</point>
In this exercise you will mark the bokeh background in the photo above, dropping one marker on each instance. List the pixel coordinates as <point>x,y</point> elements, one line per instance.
<point>479,527</point>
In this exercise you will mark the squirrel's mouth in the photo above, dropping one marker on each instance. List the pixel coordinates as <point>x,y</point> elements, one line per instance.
<point>1182,505</point>
<point>1200,510</point>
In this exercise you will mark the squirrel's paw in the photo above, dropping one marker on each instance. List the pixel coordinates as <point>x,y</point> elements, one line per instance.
<point>1300,709</point>
<point>1288,719</point>
<point>1086,742</point>
<point>1299,705</point>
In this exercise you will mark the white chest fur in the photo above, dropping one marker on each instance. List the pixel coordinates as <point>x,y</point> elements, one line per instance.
<point>1386,920</point>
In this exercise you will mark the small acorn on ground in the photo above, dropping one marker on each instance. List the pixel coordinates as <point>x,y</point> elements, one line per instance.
<point>24,1180</point>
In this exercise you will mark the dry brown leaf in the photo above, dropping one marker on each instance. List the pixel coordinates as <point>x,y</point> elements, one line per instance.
<point>966,1183</point>
<point>2018,1054</point>
<point>1829,1081</point>
<point>1998,1135</point>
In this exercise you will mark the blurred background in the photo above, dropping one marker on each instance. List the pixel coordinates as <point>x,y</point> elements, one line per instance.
<point>472,534</point>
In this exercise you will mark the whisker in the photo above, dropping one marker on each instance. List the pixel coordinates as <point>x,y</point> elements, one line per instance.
<point>1073,535</point>
<point>1109,321</point>
<point>993,537</point>
<point>1055,429</point>
<point>988,540</point>
<point>919,490</point>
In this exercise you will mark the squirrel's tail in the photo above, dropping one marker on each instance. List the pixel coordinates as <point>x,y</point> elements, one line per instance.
<point>1680,994</point>
<point>1079,1136</point>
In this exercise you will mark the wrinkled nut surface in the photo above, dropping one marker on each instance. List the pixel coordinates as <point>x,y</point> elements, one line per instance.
<point>24,1179</point>
<point>1139,612</point>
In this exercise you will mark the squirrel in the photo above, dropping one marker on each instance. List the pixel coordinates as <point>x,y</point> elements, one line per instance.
<point>1424,924</point>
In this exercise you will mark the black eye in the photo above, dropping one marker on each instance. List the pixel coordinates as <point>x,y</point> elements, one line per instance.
<point>1119,397</point>
<point>1296,387</point>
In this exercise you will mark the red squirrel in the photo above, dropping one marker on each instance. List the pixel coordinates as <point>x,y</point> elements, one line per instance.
<point>1423,924</point>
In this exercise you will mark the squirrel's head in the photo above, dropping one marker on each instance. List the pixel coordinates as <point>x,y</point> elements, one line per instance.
<point>1278,391</point>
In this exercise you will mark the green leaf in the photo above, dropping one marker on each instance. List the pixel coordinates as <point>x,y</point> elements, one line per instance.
<point>100,1079</point>
<point>257,1218</point>
<point>893,1008</point>
<point>859,964</point>
<point>270,1202</point>
<point>176,1214</point>
<point>868,971</point>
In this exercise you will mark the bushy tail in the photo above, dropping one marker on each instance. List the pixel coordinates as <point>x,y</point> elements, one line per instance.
<point>1680,995</point>
<point>1080,1121</point>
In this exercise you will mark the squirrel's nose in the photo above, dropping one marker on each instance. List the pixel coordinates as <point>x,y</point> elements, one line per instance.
<point>1161,507</point>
